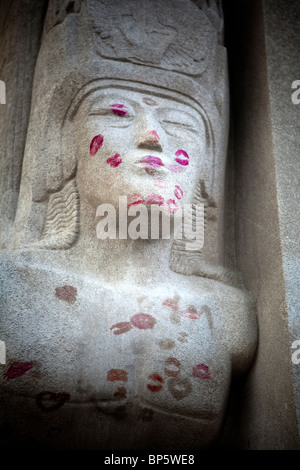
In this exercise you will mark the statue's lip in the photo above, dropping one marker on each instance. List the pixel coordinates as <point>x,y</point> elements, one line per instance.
<point>149,161</point>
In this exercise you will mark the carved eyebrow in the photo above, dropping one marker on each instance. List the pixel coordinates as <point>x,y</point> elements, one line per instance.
<point>182,124</point>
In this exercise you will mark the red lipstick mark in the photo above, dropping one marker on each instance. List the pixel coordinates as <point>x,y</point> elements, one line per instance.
<point>66,293</point>
<point>155,378</point>
<point>172,362</point>
<point>191,313</point>
<point>17,369</point>
<point>182,161</point>
<point>172,206</point>
<point>143,321</point>
<point>50,401</point>
<point>96,143</point>
<point>175,168</point>
<point>149,101</point>
<point>151,162</point>
<point>155,199</point>
<point>172,303</point>
<point>119,109</point>
<point>114,161</point>
<point>201,371</point>
<point>117,375</point>
<point>121,328</point>
<point>178,192</point>
<point>135,199</point>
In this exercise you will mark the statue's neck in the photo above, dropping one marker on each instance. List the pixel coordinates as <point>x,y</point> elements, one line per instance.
<point>142,261</point>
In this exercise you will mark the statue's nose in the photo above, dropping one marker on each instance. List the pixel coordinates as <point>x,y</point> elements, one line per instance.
<point>150,140</point>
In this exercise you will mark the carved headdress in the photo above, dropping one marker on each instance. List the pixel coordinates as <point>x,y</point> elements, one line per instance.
<point>171,45</point>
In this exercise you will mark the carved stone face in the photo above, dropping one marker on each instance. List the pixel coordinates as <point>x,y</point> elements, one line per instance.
<point>140,145</point>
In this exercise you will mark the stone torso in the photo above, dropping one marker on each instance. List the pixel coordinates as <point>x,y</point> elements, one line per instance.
<point>159,356</point>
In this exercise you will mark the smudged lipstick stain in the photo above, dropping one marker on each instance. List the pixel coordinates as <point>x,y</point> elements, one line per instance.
<point>143,321</point>
<point>172,362</point>
<point>172,206</point>
<point>119,375</point>
<point>66,293</point>
<point>58,400</point>
<point>154,199</point>
<point>17,369</point>
<point>201,371</point>
<point>155,378</point>
<point>114,161</point>
<point>191,313</point>
<point>178,192</point>
<point>175,168</point>
<point>96,143</point>
<point>149,101</point>
<point>153,136</point>
<point>160,183</point>
<point>122,327</point>
<point>119,109</point>
<point>182,161</point>
<point>180,387</point>
<point>134,199</point>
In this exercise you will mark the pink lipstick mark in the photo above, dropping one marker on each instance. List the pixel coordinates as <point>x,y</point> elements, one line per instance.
<point>151,162</point>
<point>178,192</point>
<point>155,378</point>
<point>135,199</point>
<point>122,327</point>
<point>172,206</point>
<point>201,371</point>
<point>119,109</point>
<point>17,369</point>
<point>114,161</point>
<point>149,101</point>
<point>143,321</point>
<point>175,168</point>
<point>117,375</point>
<point>159,184</point>
<point>153,135</point>
<point>182,161</point>
<point>155,199</point>
<point>96,143</point>
<point>172,303</point>
<point>191,313</point>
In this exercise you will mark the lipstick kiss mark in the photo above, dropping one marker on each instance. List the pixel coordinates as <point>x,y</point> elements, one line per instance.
<point>151,162</point>
<point>201,371</point>
<point>175,168</point>
<point>154,199</point>
<point>66,293</point>
<point>170,363</point>
<point>50,401</point>
<point>155,378</point>
<point>135,199</point>
<point>117,375</point>
<point>121,328</point>
<point>114,161</point>
<point>143,321</point>
<point>119,109</point>
<point>17,369</point>
<point>191,313</point>
<point>172,303</point>
<point>178,192</point>
<point>172,206</point>
<point>96,143</point>
<point>121,393</point>
<point>182,161</point>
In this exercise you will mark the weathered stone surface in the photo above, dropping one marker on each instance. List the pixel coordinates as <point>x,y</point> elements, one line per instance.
<point>123,344</point>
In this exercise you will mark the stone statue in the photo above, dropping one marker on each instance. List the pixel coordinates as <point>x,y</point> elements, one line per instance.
<point>123,343</point>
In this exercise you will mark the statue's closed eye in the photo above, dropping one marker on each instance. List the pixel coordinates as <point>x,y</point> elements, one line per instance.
<point>172,127</point>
